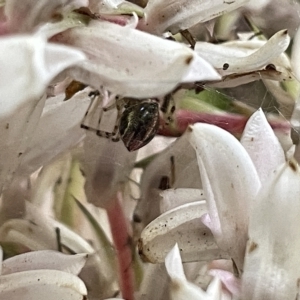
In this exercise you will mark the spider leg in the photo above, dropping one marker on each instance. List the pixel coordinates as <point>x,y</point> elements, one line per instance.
<point>116,131</point>
<point>93,116</point>
<point>91,112</point>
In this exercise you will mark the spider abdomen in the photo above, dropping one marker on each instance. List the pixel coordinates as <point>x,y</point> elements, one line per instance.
<point>138,124</point>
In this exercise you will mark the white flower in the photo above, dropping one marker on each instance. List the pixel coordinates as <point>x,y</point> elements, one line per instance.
<point>231,175</point>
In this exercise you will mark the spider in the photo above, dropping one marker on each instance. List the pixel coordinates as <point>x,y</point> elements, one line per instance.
<point>136,124</point>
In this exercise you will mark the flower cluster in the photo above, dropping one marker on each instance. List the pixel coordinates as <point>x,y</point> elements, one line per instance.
<point>147,150</point>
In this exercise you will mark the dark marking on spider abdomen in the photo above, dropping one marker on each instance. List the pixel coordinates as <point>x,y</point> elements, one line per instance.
<point>139,124</point>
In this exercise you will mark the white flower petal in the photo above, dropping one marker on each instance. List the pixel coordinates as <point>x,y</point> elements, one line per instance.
<point>272,251</point>
<point>41,284</point>
<point>130,62</point>
<point>200,68</point>
<point>180,225</point>
<point>172,198</point>
<point>65,131</point>
<point>174,264</point>
<point>47,259</point>
<point>36,62</point>
<point>262,145</point>
<point>27,66</point>
<point>275,46</point>
<point>162,16</point>
<point>230,183</point>
<point>107,165</point>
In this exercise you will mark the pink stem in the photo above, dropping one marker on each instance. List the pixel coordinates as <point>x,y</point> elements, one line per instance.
<point>233,123</point>
<point>122,244</point>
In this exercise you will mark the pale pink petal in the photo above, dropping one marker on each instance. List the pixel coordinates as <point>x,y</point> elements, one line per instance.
<point>232,283</point>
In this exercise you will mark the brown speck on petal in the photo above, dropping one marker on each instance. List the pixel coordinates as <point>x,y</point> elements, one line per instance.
<point>252,247</point>
<point>188,60</point>
<point>293,165</point>
<point>175,285</point>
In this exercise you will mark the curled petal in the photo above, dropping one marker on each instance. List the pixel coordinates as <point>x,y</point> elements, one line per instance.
<point>272,250</point>
<point>230,183</point>
<point>182,225</point>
